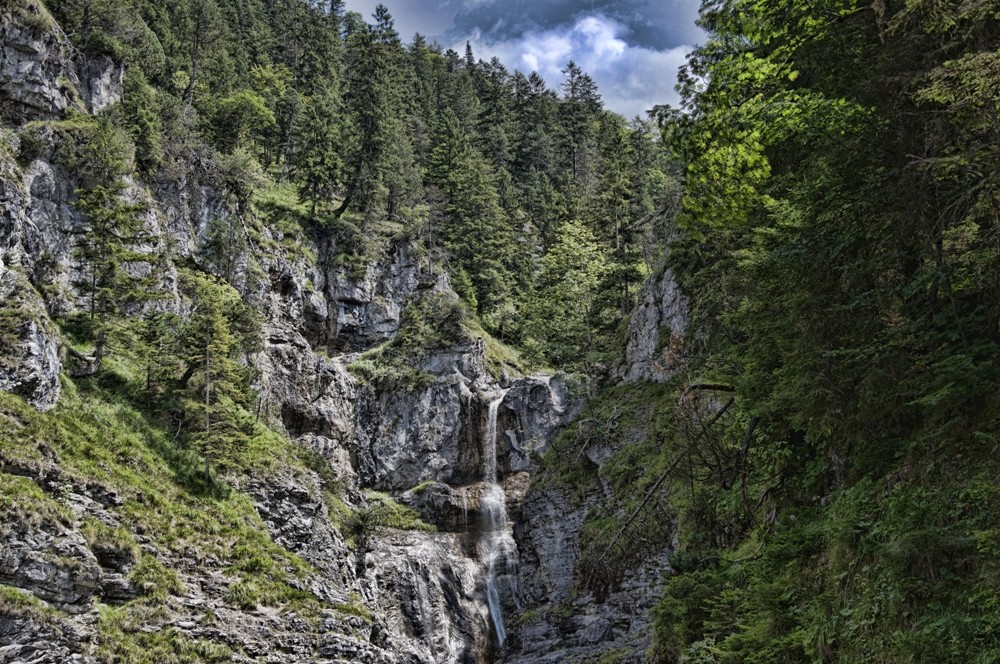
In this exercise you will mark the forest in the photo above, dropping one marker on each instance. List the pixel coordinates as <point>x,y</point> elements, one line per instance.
<point>545,205</point>
<point>840,244</point>
<point>822,457</point>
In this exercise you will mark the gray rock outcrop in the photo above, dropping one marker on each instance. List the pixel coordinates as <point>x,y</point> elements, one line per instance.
<point>29,350</point>
<point>425,590</point>
<point>654,349</point>
<point>41,76</point>
<point>561,620</point>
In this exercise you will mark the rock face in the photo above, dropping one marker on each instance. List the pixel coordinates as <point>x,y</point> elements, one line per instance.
<point>39,77</point>
<point>533,411</point>
<point>29,359</point>
<point>654,351</point>
<point>428,587</point>
<point>424,445</point>
<point>560,618</point>
<point>560,621</point>
<point>56,567</point>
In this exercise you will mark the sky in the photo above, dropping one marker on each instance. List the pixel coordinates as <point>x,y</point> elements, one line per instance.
<point>631,48</point>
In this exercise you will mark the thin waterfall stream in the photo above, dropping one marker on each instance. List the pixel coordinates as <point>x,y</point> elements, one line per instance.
<point>496,545</point>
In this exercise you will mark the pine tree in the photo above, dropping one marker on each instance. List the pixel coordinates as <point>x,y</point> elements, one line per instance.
<point>317,163</point>
<point>562,315</point>
<point>217,388</point>
<point>476,229</point>
<point>579,110</point>
<point>614,210</point>
<point>106,243</point>
<point>380,164</point>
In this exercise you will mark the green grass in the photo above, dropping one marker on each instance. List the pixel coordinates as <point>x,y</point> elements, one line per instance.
<point>500,357</point>
<point>360,525</point>
<point>355,607</point>
<point>395,515</point>
<point>23,500</point>
<point>280,210</point>
<point>124,638</point>
<point>16,603</point>
<point>98,437</point>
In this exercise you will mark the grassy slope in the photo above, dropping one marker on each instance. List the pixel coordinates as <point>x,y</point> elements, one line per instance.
<point>97,436</point>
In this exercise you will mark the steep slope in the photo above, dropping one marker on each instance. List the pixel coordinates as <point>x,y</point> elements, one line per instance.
<point>598,526</point>
<point>121,542</point>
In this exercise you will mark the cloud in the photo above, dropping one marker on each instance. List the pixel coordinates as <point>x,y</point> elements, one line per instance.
<point>631,78</point>
<point>654,24</point>
<point>632,48</point>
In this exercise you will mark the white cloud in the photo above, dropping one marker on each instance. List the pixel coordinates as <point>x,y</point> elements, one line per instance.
<point>631,79</point>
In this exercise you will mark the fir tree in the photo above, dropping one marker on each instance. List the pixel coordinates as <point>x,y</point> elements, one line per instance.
<point>106,245</point>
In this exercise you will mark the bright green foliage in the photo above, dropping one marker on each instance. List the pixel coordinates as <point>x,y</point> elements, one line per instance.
<point>217,386</point>
<point>841,187</point>
<point>242,118</point>
<point>563,312</point>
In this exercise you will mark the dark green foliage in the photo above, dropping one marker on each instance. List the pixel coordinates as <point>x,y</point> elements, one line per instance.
<point>474,227</point>
<point>317,162</point>
<point>840,190</point>
<point>116,279</point>
<point>563,312</point>
<point>141,112</point>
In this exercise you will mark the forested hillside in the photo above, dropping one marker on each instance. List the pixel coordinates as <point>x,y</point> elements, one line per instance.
<point>325,344</point>
<point>270,278</point>
<point>342,122</point>
<point>840,247</point>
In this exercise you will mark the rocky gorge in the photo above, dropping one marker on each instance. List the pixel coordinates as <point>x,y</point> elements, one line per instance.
<point>491,571</point>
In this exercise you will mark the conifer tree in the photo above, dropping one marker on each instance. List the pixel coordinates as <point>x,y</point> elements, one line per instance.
<point>217,387</point>
<point>562,315</point>
<point>106,243</point>
<point>581,106</point>
<point>374,100</point>
<point>317,162</point>
<point>476,229</point>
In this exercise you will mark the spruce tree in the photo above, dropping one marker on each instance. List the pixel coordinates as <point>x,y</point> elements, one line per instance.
<point>476,229</point>
<point>112,279</point>
<point>217,387</point>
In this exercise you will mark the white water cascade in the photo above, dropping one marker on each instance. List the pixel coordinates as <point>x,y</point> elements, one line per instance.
<point>496,545</point>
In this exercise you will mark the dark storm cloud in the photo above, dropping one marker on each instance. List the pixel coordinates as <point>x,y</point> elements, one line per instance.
<point>654,24</point>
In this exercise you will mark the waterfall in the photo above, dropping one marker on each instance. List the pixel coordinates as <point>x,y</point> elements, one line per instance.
<point>497,548</point>
<point>490,441</point>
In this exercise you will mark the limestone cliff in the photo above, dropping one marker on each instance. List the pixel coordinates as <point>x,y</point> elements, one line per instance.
<point>400,595</point>
<point>93,558</point>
